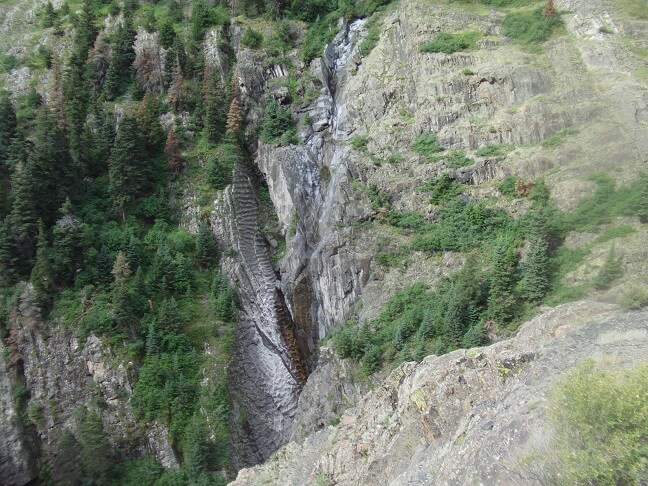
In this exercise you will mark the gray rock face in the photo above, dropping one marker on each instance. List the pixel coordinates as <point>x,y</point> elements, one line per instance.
<point>62,373</point>
<point>464,418</point>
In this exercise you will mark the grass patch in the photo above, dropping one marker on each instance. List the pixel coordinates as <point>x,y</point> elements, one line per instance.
<point>636,9</point>
<point>448,43</point>
<point>359,142</point>
<point>530,27</point>
<point>615,232</point>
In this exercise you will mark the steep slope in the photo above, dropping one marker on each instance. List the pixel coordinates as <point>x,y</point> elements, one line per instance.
<point>469,417</point>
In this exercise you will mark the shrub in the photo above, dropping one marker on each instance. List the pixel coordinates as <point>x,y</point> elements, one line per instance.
<point>449,43</point>
<point>457,159</point>
<point>507,187</point>
<point>493,150</point>
<point>634,298</point>
<point>442,189</point>
<point>609,272</point>
<point>252,39</point>
<point>601,418</point>
<point>530,27</point>
<point>427,145</point>
<point>359,142</point>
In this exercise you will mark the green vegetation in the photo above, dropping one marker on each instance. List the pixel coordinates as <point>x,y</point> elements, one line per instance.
<point>448,43</point>
<point>427,145</point>
<point>557,139</point>
<point>600,418</point>
<point>530,27</point>
<point>359,142</point>
<point>278,127</point>
<point>252,39</point>
<point>457,159</point>
<point>493,150</point>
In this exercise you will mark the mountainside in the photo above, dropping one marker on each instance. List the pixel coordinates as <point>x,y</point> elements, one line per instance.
<point>360,243</point>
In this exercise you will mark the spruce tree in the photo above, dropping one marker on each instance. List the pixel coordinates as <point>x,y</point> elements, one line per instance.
<point>610,271</point>
<point>126,170</point>
<point>215,104</point>
<point>121,60</point>
<point>501,301</point>
<point>206,249</point>
<point>23,221</point>
<point>41,275</point>
<point>8,128</point>
<point>534,284</point>
<point>67,244</point>
<point>103,267</point>
<point>166,33</point>
<point>95,449</point>
<point>148,116</point>
<point>121,298</point>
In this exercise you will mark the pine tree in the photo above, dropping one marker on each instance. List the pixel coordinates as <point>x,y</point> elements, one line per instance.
<point>95,448</point>
<point>67,244</point>
<point>148,116</point>
<point>41,275</point>
<point>49,16</point>
<point>121,299</point>
<point>534,284</point>
<point>177,93</point>
<point>454,319</point>
<point>501,301</point>
<point>121,60</point>
<point>198,450</point>
<point>215,108</point>
<point>103,267</point>
<point>610,271</point>
<point>234,116</point>
<point>206,249</point>
<point>126,171</point>
<point>86,32</point>
<point>8,127</point>
<point>166,33</point>
<point>23,221</point>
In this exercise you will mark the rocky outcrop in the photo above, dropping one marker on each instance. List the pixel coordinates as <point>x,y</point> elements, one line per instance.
<point>59,374</point>
<point>469,417</point>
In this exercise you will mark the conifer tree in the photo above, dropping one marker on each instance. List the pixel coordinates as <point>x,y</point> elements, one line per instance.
<point>67,244</point>
<point>121,60</point>
<point>121,299</point>
<point>148,116</point>
<point>501,301</point>
<point>125,166</point>
<point>609,272</point>
<point>49,16</point>
<point>206,249</point>
<point>86,31</point>
<point>234,116</point>
<point>104,266</point>
<point>214,108</point>
<point>166,33</point>
<point>23,221</point>
<point>95,449</point>
<point>41,275</point>
<point>8,129</point>
<point>535,272</point>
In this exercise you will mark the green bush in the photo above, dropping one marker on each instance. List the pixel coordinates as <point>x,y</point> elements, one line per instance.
<point>601,418</point>
<point>530,27</point>
<point>442,189</point>
<point>427,145</point>
<point>252,39</point>
<point>493,150</point>
<point>449,43</point>
<point>609,272</point>
<point>359,142</point>
<point>457,159</point>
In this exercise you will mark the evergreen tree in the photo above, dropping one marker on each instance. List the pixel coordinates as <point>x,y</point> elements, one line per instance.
<point>67,244</point>
<point>121,298</point>
<point>8,128</point>
<point>22,227</point>
<point>121,60</point>
<point>198,21</point>
<point>234,116</point>
<point>148,116</point>
<point>501,301</point>
<point>534,284</point>
<point>103,142</point>
<point>53,171</point>
<point>206,249</point>
<point>135,252</point>
<point>476,336</point>
<point>166,33</point>
<point>49,16</point>
<point>454,319</point>
<point>126,171</point>
<point>103,267</point>
<point>214,109</point>
<point>609,272</point>
<point>95,449</point>
<point>66,468</point>
<point>86,31</point>
<point>199,452</point>
<point>41,275</point>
